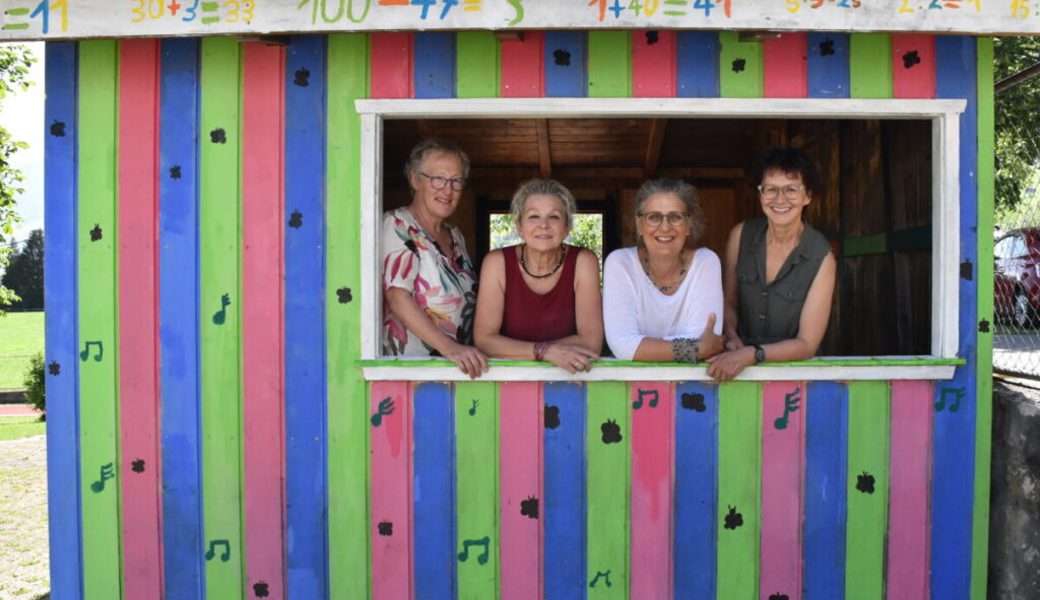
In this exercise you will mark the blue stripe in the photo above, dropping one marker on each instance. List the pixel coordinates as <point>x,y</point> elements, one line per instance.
<point>826,453</point>
<point>566,68</point>
<point>434,64</point>
<point>953,453</point>
<point>178,319</point>
<point>433,429</point>
<point>306,457</point>
<point>564,480</point>
<point>61,322</point>
<point>828,65</point>
<point>696,487</point>
<point>697,64</point>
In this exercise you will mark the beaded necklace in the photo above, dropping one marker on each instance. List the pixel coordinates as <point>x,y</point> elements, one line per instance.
<point>523,263</point>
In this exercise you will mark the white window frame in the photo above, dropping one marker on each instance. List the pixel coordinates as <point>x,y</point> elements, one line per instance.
<point>943,114</point>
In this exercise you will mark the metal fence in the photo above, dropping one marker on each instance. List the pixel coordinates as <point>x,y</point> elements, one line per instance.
<point>1016,252</point>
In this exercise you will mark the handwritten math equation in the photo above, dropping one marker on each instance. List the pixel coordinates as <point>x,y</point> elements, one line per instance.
<point>48,19</point>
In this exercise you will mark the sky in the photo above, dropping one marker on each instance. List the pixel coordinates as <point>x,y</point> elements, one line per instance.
<point>21,113</point>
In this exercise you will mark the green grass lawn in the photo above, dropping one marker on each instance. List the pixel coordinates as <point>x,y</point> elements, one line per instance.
<point>21,336</point>
<point>16,428</point>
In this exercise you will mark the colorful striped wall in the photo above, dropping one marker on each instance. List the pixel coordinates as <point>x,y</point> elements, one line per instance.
<point>210,432</point>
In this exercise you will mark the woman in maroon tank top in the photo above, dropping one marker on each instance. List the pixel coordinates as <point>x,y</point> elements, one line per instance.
<point>540,299</point>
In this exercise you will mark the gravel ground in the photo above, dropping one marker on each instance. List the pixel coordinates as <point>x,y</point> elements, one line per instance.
<point>24,563</point>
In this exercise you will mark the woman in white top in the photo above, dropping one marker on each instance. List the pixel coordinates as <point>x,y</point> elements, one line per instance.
<point>662,298</point>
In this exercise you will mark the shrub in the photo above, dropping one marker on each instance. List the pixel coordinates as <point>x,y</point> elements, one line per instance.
<point>35,384</point>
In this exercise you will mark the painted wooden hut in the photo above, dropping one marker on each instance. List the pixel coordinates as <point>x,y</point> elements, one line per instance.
<point>222,425</point>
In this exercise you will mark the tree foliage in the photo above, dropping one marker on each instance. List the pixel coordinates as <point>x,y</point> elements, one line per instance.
<point>14,70</point>
<point>1017,121</point>
<point>24,275</point>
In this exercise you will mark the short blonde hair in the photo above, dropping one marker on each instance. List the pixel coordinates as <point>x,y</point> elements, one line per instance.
<point>548,187</point>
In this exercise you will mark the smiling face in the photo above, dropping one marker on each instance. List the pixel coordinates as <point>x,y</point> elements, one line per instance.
<point>430,202</point>
<point>785,208</point>
<point>666,237</point>
<point>543,222</point>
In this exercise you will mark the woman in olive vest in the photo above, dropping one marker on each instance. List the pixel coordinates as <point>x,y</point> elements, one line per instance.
<point>779,273</point>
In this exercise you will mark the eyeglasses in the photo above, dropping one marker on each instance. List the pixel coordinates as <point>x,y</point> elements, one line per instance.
<point>655,218</point>
<point>438,182</point>
<point>770,191</point>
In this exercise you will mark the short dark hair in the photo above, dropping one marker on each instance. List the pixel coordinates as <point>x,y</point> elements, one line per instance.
<point>428,146</point>
<point>790,161</point>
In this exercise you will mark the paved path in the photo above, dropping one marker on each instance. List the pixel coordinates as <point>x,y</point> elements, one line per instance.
<point>17,410</point>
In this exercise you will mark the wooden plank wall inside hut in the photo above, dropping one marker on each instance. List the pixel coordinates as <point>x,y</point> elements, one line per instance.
<point>875,210</point>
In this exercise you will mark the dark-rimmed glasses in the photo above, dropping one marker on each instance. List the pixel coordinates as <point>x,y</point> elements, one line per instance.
<point>438,182</point>
<point>655,219</point>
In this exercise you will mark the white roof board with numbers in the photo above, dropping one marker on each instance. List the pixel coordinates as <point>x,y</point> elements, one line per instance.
<point>72,19</point>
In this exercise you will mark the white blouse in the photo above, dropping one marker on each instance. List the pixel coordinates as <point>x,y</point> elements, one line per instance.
<point>633,308</point>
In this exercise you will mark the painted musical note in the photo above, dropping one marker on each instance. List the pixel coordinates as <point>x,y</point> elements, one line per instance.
<point>604,574</point>
<point>221,315</point>
<point>86,350</point>
<point>652,394</point>
<point>484,542</point>
<point>224,556</point>
<point>790,405</point>
<point>957,394</point>
<point>386,407</point>
<point>473,409</point>
<point>106,472</point>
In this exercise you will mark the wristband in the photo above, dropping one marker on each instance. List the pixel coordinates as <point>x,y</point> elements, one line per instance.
<point>685,350</point>
<point>540,349</point>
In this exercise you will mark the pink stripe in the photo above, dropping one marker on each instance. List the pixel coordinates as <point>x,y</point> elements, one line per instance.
<point>784,66</point>
<point>391,75</point>
<point>523,66</point>
<point>913,65</point>
<point>263,382</point>
<point>908,501</point>
<point>783,469</point>
<point>653,64</point>
<point>653,442</point>
<point>391,516</point>
<point>138,325</point>
<point>520,430</point>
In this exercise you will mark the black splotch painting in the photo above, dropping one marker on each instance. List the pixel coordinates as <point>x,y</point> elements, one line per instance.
<point>344,295</point>
<point>529,507</point>
<point>217,136</point>
<point>58,128</point>
<point>733,519</point>
<point>302,77</point>
<point>911,59</point>
<point>552,416</point>
<point>54,368</point>
<point>296,219</point>
<point>693,402</point>
<point>865,483</point>
<point>739,64</point>
<point>611,432</point>
<point>386,528</point>
<point>562,58</point>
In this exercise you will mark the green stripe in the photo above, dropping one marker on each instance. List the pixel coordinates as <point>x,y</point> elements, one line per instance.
<point>983,341</point>
<point>347,411</point>
<point>740,460</point>
<point>220,233</point>
<point>610,64</point>
<point>476,476</point>
<point>477,64</point>
<point>870,65</point>
<point>739,79</point>
<point>98,317</point>
<point>860,245</point>
<point>867,519</point>
<point>609,473</point>
<point>866,362</point>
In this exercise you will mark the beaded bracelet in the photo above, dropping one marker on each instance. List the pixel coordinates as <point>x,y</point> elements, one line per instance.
<point>685,350</point>
<point>539,350</point>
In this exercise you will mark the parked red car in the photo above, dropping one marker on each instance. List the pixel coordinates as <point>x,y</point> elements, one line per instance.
<point>1016,263</point>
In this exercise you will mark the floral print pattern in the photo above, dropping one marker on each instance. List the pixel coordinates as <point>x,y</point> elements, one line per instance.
<point>443,284</point>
